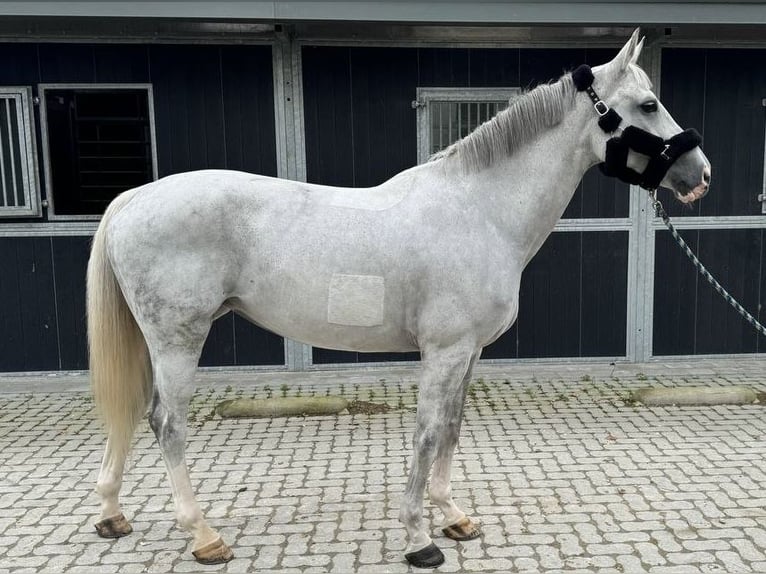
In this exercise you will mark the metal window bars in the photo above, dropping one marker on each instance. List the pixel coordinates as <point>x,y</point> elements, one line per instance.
<point>446,115</point>
<point>19,190</point>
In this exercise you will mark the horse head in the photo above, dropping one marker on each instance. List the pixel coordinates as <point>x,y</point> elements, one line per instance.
<point>640,142</point>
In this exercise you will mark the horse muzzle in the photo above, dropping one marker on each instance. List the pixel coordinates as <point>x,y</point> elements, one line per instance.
<point>697,192</point>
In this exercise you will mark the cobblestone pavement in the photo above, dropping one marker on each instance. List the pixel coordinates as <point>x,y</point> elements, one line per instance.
<point>563,471</point>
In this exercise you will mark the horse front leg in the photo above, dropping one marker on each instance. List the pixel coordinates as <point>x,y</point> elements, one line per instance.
<point>456,524</point>
<point>174,377</point>
<point>441,389</point>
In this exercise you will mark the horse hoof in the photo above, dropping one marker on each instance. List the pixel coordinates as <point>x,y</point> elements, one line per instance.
<point>463,529</point>
<point>428,557</point>
<point>216,552</point>
<point>114,527</point>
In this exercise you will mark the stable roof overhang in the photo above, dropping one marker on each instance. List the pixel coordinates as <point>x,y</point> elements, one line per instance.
<point>507,12</point>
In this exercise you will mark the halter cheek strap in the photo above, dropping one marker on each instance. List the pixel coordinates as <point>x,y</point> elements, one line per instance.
<point>662,153</point>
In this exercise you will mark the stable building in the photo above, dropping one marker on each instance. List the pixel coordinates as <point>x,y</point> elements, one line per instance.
<point>97,98</point>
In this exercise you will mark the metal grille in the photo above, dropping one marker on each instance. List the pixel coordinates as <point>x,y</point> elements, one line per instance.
<point>446,115</point>
<point>451,121</point>
<point>14,176</point>
<point>99,144</point>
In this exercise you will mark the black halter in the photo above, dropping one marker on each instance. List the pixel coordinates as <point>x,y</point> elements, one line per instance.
<point>662,153</point>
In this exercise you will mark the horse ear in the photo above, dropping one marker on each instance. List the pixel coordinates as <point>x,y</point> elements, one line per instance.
<point>626,55</point>
<point>637,51</point>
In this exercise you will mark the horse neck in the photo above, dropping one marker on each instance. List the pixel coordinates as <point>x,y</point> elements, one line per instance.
<point>528,191</point>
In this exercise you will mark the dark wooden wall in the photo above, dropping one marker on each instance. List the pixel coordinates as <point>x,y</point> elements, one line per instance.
<point>690,317</point>
<point>361,130</point>
<point>214,108</point>
<point>719,92</point>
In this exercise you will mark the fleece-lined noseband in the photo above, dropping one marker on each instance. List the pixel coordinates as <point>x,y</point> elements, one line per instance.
<point>662,153</point>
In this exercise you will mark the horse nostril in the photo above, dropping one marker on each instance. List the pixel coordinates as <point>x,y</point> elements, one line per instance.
<point>706,175</point>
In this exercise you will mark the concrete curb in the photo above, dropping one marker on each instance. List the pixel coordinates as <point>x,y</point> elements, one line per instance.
<point>280,407</point>
<point>688,396</point>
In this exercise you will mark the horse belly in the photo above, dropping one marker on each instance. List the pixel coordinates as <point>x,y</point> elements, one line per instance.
<point>343,311</point>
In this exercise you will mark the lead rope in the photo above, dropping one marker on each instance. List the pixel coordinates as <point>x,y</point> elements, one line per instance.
<point>659,210</point>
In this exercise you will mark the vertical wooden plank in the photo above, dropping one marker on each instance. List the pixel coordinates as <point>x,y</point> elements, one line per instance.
<point>721,80</point>
<point>506,347</point>
<point>70,259</point>
<point>256,346</point>
<point>444,67</point>
<point>732,256</point>
<point>538,66</point>
<point>219,345</point>
<point>603,318</point>
<point>121,63</point>
<point>683,85</point>
<point>550,299</point>
<point>36,284</point>
<point>169,74</point>
<point>384,82</point>
<point>494,67</point>
<point>66,63</point>
<point>327,115</point>
<point>742,150</point>
<point>675,295</point>
<point>599,196</point>
<point>189,107</point>
<point>20,64</point>
<point>28,307</point>
<point>12,350</point>
<point>204,117</point>
<point>160,69</point>
<point>248,105</point>
<point>733,113</point>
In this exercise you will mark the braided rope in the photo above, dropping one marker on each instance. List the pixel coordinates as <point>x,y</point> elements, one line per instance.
<point>661,213</point>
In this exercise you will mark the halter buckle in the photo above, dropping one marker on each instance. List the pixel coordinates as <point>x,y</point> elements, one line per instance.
<point>601,108</point>
<point>664,153</point>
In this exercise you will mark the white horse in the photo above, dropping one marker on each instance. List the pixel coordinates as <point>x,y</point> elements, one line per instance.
<point>430,260</point>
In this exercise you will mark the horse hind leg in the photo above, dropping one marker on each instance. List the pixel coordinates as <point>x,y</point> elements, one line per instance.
<point>174,370</point>
<point>441,387</point>
<point>112,522</point>
<point>456,524</point>
<point>131,402</point>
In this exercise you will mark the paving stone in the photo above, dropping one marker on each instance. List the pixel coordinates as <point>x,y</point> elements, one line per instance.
<point>562,473</point>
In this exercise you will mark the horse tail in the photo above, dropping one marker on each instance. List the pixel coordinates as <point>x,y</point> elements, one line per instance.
<point>120,368</point>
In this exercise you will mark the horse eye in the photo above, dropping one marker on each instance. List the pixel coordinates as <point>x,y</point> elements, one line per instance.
<point>649,107</point>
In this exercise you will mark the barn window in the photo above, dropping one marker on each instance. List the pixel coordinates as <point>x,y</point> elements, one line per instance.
<point>19,191</point>
<point>99,142</point>
<point>447,114</point>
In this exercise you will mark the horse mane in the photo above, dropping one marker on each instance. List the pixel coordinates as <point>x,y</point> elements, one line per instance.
<point>525,117</point>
